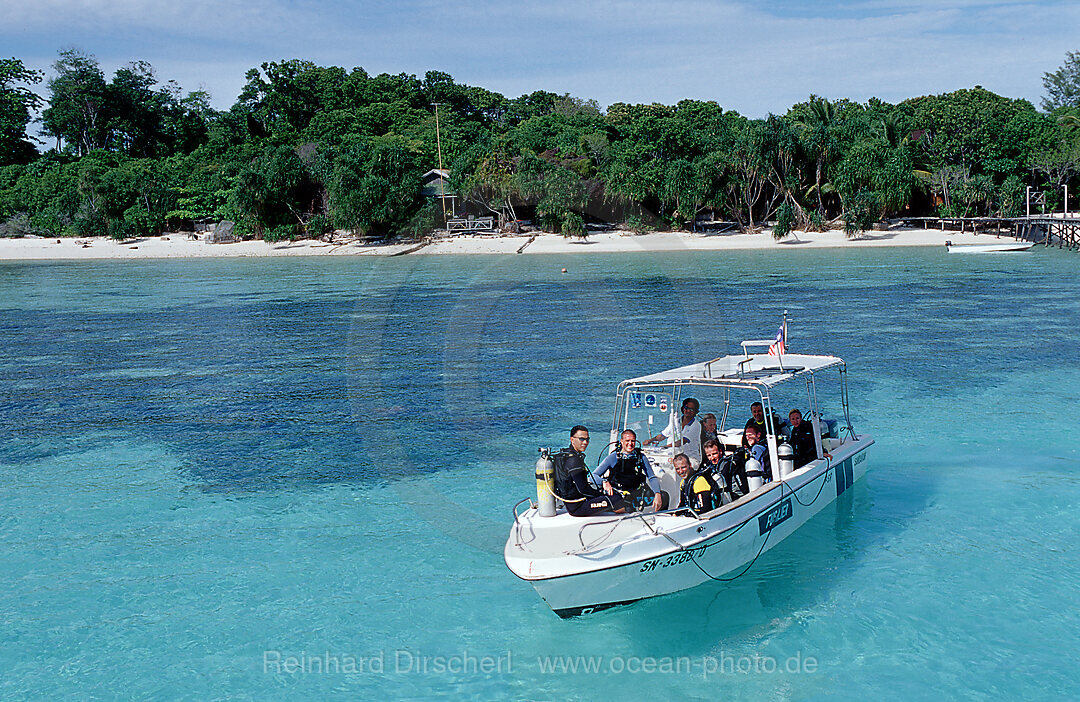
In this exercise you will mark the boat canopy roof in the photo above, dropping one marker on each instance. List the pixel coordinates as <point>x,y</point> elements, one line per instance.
<point>750,370</point>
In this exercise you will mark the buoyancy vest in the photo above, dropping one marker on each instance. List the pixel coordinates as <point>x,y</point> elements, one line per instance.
<point>733,470</point>
<point>628,473</point>
<point>565,488</point>
<point>716,470</point>
<point>709,500</point>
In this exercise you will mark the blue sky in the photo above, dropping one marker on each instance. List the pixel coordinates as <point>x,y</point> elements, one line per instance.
<point>753,57</point>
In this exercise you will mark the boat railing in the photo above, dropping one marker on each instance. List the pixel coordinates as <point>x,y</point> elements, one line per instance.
<point>518,504</point>
<point>619,519</point>
<point>755,343</point>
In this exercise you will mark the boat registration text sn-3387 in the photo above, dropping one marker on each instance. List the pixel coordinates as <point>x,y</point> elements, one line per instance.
<point>674,559</point>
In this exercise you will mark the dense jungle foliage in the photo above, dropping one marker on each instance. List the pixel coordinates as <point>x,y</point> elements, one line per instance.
<point>306,150</point>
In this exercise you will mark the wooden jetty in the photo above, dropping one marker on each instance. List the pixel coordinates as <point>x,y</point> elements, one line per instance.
<point>1061,230</point>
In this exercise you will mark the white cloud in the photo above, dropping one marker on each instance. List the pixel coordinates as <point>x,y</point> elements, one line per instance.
<point>122,16</point>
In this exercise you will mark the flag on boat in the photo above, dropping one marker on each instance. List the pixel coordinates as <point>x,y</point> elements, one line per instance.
<point>777,347</point>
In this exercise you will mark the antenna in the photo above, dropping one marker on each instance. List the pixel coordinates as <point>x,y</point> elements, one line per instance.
<point>442,179</point>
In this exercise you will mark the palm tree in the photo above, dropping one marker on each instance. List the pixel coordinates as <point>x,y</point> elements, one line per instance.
<point>1070,123</point>
<point>889,127</point>
<point>818,119</point>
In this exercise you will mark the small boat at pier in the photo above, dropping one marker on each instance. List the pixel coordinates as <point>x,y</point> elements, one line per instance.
<point>997,247</point>
<point>579,565</point>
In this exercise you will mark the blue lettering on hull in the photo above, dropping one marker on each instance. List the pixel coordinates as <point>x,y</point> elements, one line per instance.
<point>775,516</point>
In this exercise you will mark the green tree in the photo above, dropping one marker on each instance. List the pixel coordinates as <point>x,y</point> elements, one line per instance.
<point>488,107</point>
<point>978,130</point>
<point>283,97</point>
<point>973,141</point>
<point>17,102</point>
<point>375,186</point>
<point>93,188</point>
<point>485,176</point>
<point>874,173</point>
<point>560,194</point>
<point>132,114</point>
<point>44,191</point>
<point>1070,124</point>
<point>139,196</point>
<point>136,111</point>
<point>782,152</point>
<point>77,103</point>
<point>817,120</point>
<point>682,190</point>
<point>187,121</point>
<point>1063,85</point>
<point>748,190</point>
<point>1056,167</point>
<point>861,211</point>
<point>537,103</point>
<point>268,194</point>
<point>655,151</point>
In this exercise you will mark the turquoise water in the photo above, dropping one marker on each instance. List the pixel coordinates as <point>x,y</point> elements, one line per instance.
<point>272,479</point>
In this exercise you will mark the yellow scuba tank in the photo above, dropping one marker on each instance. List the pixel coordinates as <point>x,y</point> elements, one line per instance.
<point>545,484</point>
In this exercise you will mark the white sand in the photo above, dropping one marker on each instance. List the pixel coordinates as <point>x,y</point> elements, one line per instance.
<point>180,246</point>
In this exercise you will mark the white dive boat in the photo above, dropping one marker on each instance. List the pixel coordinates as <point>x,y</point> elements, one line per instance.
<point>583,564</point>
<point>997,247</point>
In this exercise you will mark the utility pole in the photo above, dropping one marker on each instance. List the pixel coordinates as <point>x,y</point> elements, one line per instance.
<point>442,178</point>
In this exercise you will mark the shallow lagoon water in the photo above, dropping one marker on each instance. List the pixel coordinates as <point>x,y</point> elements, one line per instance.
<point>209,467</point>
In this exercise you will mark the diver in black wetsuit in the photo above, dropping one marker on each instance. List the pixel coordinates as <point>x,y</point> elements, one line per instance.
<point>757,419</point>
<point>572,483</point>
<point>802,440</point>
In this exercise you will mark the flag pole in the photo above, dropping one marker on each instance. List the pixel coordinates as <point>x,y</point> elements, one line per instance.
<point>783,341</point>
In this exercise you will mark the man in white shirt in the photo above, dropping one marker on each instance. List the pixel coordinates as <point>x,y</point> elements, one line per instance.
<point>688,432</point>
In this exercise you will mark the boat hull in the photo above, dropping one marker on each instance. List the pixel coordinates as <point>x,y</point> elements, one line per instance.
<point>668,553</point>
<point>990,248</point>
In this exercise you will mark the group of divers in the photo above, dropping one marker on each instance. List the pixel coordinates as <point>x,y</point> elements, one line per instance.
<point>708,478</point>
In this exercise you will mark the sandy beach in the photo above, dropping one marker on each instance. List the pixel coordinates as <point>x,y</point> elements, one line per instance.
<point>182,246</point>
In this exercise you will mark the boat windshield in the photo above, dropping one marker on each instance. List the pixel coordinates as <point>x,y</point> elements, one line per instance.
<point>648,410</point>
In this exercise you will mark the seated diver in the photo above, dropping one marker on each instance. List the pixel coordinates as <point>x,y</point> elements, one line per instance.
<point>733,473</point>
<point>757,420</point>
<point>572,484</point>
<point>802,441</point>
<point>698,490</point>
<point>733,469</point>
<point>755,441</point>
<point>626,471</point>
<point>713,464</point>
